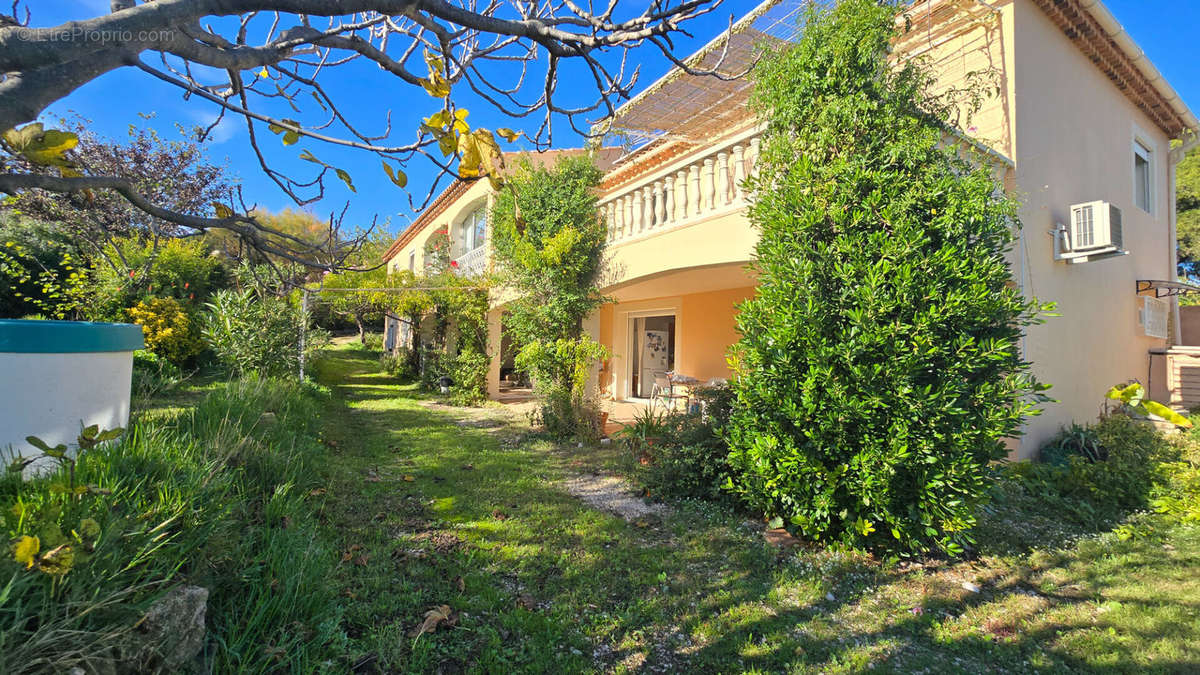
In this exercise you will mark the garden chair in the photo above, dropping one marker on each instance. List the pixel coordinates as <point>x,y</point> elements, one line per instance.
<point>663,392</point>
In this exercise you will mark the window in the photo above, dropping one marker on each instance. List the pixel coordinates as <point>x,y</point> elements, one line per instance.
<point>1143,177</point>
<point>473,230</point>
<point>412,261</point>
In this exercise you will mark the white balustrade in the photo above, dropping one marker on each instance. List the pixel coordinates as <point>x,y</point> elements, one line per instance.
<point>471,263</point>
<point>708,185</point>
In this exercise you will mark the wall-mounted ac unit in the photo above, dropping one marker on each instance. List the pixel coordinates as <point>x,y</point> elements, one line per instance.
<point>1153,317</point>
<point>1094,233</point>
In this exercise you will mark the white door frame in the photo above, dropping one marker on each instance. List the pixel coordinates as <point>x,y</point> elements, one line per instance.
<point>631,341</point>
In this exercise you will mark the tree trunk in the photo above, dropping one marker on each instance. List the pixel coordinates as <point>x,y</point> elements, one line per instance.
<point>362,330</point>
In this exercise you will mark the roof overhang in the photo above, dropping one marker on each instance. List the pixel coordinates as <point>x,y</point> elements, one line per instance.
<point>1097,33</point>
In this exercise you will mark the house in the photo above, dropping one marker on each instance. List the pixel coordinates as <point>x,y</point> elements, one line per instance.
<point>1081,129</point>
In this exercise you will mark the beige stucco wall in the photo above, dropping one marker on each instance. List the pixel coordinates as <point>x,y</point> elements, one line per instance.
<point>1189,325</point>
<point>973,51</point>
<point>704,330</point>
<point>1074,143</point>
<point>477,195</point>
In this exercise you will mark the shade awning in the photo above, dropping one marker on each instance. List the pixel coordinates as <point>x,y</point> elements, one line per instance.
<point>693,108</point>
<point>1164,289</point>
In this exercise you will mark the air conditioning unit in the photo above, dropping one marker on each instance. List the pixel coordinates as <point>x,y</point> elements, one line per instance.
<point>1094,233</point>
<point>1153,317</point>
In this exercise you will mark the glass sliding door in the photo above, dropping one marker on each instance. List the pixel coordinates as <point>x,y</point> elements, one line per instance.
<point>653,352</point>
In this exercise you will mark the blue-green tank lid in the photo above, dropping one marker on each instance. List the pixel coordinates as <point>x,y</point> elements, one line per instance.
<point>61,337</point>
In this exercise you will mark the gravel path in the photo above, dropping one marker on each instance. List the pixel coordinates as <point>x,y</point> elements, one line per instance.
<point>612,494</point>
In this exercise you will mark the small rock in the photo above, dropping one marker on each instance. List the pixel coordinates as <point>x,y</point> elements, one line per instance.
<point>172,632</point>
<point>970,587</point>
<point>829,597</point>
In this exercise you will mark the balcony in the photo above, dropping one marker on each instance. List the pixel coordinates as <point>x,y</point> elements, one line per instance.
<point>695,189</point>
<point>473,263</point>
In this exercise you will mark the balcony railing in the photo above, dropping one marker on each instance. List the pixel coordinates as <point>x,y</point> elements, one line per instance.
<point>472,263</point>
<point>680,195</point>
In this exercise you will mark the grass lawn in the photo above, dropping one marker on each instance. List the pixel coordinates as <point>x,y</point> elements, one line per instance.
<point>431,505</point>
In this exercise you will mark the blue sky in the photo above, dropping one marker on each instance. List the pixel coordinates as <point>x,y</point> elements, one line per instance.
<point>1168,30</point>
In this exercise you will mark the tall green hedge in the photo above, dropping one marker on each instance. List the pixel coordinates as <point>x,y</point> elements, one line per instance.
<point>879,368</point>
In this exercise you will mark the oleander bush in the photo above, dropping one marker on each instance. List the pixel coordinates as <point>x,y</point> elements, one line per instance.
<point>253,333</point>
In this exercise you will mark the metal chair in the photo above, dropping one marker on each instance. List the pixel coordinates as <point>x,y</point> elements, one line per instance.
<point>664,391</point>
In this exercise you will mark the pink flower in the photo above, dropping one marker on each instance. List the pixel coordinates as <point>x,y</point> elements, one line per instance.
<point>131,272</point>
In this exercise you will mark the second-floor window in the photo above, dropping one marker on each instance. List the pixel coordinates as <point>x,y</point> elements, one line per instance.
<point>472,230</point>
<point>1143,177</point>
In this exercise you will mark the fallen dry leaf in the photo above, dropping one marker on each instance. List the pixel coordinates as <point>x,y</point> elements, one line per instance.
<point>499,515</point>
<point>408,478</point>
<point>362,559</point>
<point>438,616</point>
<point>316,492</point>
<point>460,583</point>
<point>526,600</point>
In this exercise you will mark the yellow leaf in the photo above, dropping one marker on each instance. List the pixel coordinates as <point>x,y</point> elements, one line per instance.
<point>1159,410</point>
<point>447,144</point>
<point>57,561</point>
<point>309,157</point>
<point>68,172</point>
<point>222,210</point>
<point>263,72</point>
<point>39,145</point>
<point>438,120</point>
<point>436,85</point>
<point>25,550</point>
<point>290,138</point>
<point>508,134</point>
<point>433,617</point>
<point>341,173</point>
<point>396,175</point>
<point>408,478</point>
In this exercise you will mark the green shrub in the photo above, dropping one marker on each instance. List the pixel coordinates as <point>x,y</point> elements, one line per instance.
<point>181,269</point>
<point>216,497</point>
<point>170,331</point>
<point>1097,492</point>
<point>560,372</point>
<point>435,364</point>
<point>260,334</point>
<point>152,374</point>
<point>469,372</point>
<point>879,367</point>
<point>373,341</point>
<point>1177,496</point>
<point>1074,441</point>
<point>690,458</point>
